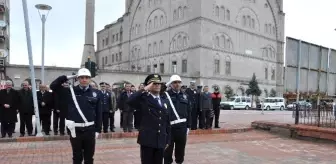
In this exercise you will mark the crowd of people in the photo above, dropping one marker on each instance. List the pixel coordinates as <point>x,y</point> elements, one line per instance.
<point>84,111</point>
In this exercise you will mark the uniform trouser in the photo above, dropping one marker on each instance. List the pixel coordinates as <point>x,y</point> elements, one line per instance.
<point>106,116</point>
<point>45,121</point>
<point>83,146</point>
<point>26,122</point>
<point>207,119</point>
<point>137,119</point>
<point>59,122</point>
<point>151,155</point>
<point>127,121</point>
<point>194,118</point>
<point>217,114</point>
<point>179,140</point>
<point>7,128</point>
<point>111,117</point>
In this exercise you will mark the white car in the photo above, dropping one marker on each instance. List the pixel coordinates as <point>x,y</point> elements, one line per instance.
<point>274,103</point>
<point>237,102</point>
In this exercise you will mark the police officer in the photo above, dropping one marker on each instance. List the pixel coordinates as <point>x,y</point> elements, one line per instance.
<point>105,105</point>
<point>84,115</point>
<point>193,98</point>
<point>180,121</point>
<point>201,124</point>
<point>154,132</point>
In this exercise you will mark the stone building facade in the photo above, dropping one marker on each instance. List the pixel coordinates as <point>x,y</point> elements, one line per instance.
<point>219,42</point>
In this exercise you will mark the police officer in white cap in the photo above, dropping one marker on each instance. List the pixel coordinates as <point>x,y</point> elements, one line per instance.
<point>180,120</point>
<point>84,115</point>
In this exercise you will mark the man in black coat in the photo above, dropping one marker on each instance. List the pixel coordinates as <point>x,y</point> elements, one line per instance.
<point>127,111</point>
<point>60,109</point>
<point>193,95</point>
<point>137,114</point>
<point>8,109</point>
<point>154,132</point>
<point>45,104</point>
<point>26,109</point>
<point>105,105</point>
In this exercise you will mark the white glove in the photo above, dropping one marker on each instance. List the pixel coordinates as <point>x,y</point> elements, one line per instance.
<point>187,131</point>
<point>69,77</point>
<point>97,134</point>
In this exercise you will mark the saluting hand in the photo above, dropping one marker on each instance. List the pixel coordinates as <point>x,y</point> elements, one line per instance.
<point>166,146</point>
<point>148,87</point>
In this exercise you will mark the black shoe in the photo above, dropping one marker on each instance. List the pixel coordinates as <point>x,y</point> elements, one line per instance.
<point>62,134</point>
<point>21,135</point>
<point>3,136</point>
<point>10,136</point>
<point>105,131</point>
<point>112,130</point>
<point>55,133</point>
<point>217,127</point>
<point>30,134</point>
<point>130,131</point>
<point>47,134</point>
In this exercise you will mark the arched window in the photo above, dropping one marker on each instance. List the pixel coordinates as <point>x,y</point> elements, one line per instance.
<point>228,15</point>
<point>161,46</point>
<point>217,41</point>
<point>244,20</point>
<point>228,44</point>
<point>155,22</point>
<point>266,28</point>
<point>253,23</point>
<point>185,11</point>
<point>150,24</point>
<point>249,21</point>
<point>161,20</point>
<point>223,41</point>
<point>217,11</point>
<point>180,12</point>
<point>149,49</point>
<point>273,30</point>
<point>154,48</point>
<point>223,12</point>
<point>179,41</point>
<point>174,15</point>
<point>266,52</point>
<point>228,65</point>
<point>174,44</point>
<point>185,43</point>
<point>266,72</point>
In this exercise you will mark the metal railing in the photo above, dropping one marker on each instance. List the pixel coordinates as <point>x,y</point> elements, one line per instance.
<point>321,116</point>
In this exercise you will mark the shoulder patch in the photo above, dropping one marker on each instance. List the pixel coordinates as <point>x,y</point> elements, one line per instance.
<point>94,94</point>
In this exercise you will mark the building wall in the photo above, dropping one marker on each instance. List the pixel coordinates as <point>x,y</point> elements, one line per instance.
<point>220,39</point>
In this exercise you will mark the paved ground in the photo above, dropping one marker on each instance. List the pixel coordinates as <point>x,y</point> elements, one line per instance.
<point>252,147</point>
<point>231,119</point>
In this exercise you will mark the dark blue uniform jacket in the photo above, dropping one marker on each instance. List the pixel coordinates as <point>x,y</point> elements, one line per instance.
<point>88,101</point>
<point>154,129</point>
<point>105,101</point>
<point>182,107</point>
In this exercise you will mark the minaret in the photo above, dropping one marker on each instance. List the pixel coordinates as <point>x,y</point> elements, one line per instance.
<point>89,50</point>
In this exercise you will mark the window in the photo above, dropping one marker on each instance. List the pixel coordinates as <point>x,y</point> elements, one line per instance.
<point>155,68</point>
<point>248,99</point>
<point>185,11</point>
<point>105,60</point>
<point>237,100</point>
<point>228,67</point>
<point>120,56</point>
<point>161,20</point>
<point>223,41</point>
<point>217,41</point>
<point>185,41</point>
<point>154,48</point>
<point>112,38</point>
<point>266,52</point>
<point>117,58</point>
<point>149,49</point>
<point>266,73</point>
<point>161,67</point>
<point>253,23</point>
<point>174,67</point>
<point>273,30</point>
<point>148,68</point>
<point>223,12</point>
<point>107,40</point>
<point>273,74</point>
<point>112,58</point>
<point>217,11</point>
<point>149,24</point>
<point>184,66</point>
<point>244,21</point>
<point>228,44</point>
<point>180,12</point>
<point>121,35</point>
<point>161,47</point>
<point>155,22</point>
<point>117,37</point>
<point>266,28</point>
<point>174,15</point>
<point>249,21</point>
<point>174,43</point>
<point>103,43</point>
<point>179,41</point>
<point>217,66</point>
<point>243,99</point>
<point>228,15</point>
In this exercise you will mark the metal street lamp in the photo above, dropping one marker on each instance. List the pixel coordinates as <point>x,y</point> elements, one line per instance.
<point>43,12</point>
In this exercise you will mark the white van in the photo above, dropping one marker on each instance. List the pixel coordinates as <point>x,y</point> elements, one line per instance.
<point>274,103</point>
<point>237,102</point>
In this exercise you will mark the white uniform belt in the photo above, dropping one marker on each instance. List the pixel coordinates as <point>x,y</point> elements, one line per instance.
<point>178,121</point>
<point>83,124</point>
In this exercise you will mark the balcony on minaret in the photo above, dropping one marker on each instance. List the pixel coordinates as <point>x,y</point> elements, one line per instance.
<point>2,7</point>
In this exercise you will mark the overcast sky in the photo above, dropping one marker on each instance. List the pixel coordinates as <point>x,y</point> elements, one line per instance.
<point>308,20</point>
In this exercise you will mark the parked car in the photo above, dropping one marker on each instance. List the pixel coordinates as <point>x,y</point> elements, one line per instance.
<point>274,103</point>
<point>292,106</point>
<point>237,102</point>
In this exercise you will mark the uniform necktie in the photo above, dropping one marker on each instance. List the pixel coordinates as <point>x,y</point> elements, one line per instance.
<point>158,100</point>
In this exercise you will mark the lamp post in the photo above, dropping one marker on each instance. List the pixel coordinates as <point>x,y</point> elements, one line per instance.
<point>43,12</point>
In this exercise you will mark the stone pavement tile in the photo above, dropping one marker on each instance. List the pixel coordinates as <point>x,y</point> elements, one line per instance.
<point>252,147</point>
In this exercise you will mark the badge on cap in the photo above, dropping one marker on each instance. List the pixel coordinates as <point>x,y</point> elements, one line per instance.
<point>94,94</point>
<point>156,76</point>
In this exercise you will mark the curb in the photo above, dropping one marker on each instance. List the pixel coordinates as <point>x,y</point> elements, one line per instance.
<point>118,135</point>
